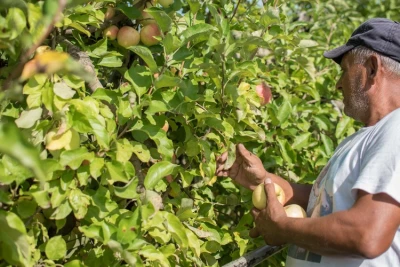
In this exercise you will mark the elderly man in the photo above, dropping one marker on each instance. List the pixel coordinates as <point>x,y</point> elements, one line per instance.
<point>353,207</point>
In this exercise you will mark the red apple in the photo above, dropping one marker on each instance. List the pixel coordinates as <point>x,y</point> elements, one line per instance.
<point>128,36</point>
<point>264,92</point>
<point>110,13</point>
<point>148,33</point>
<point>111,32</point>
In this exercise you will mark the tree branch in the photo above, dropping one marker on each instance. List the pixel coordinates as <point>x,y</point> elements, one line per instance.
<point>82,58</point>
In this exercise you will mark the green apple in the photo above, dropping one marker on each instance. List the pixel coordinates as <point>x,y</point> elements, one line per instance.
<point>128,36</point>
<point>111,32</point>
<point>148,33</point>
<point>295,211</point>
<point>259,197</point>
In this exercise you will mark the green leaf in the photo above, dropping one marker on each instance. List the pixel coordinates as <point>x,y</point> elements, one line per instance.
<point>15,247</point>
<point>140,78</point>
<point>301,141</point>
<point>162,18</point>
<point>176,228</point>
<point>157,172</point>
<point>116,171</point>
<point>152,254</point>
<point>74,158</point>
<point>110,61</point>
<point>307,43</point>
<point>28,118</point>
<point>156,106</point>
<point>146,55</point>
<point>62,211</point>
<point>284,111</point>
<point>286,151</point>
<point>14,144</point>
<point>328,144</point>
<point>141,151</point>
<point>342,126</point>
<point>96,167</point>
<point>56,248</point>
<point>16,21</point>
<point>124,150</point>
<point>199,31</point>
<point>63,91</point>
<point>166,81</point>
<point>128,191</point>
<point>26,208</point>
<point>79,203</point>
<point>130,11</point>
<point>129,226</point>
<point>80,28</point>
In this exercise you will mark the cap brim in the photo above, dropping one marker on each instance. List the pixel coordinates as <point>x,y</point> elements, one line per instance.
<point>337,53</point>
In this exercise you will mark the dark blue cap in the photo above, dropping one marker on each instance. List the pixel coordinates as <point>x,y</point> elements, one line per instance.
<point>379,34</point>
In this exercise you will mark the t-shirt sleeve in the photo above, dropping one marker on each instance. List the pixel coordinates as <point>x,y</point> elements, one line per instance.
<point>380,161</point>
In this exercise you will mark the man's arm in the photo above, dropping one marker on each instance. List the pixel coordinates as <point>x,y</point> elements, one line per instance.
<point>367,229</point>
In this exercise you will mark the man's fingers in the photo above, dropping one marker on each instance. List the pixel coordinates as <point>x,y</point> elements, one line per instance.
<point>242,151</point>
<point>270,191</point>
<point>255,212</point>
<point>223,173</point>
<point>221,159</point>
<point>254,233</point>
<point>221,164</point>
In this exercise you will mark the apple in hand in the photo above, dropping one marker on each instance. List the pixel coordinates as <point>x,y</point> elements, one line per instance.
<point>128,36</point>
<point>111,32</point>
<point>264,92</point>
<point>260,199</point>
<point>148,33</point>
<point>166,3</point>
<point>295,211</point>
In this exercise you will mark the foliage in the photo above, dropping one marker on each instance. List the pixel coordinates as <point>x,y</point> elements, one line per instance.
<point>88,175</point>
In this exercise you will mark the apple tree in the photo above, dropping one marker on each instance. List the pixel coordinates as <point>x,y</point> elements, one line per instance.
<point>112,115</point>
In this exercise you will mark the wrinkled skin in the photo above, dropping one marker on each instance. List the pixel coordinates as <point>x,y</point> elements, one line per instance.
<point>247,170</point>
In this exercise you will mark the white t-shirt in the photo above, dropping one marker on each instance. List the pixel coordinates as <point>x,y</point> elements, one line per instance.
<point>368,160</point>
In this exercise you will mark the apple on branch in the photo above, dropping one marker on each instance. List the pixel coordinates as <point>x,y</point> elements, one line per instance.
<point>111,32</point>
<point>148,33</point>
<point>128,36</point>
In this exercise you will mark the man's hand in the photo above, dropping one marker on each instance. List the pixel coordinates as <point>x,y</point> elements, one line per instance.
<point>269,220</point>
<point>247,170</point>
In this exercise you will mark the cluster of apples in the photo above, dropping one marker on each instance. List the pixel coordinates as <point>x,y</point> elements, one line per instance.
<point>128,36</point>
<point>259,199</point>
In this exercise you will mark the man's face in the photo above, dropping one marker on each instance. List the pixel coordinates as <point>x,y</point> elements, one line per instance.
<point>353,85</point>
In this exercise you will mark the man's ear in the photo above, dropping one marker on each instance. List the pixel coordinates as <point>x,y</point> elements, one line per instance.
<point>373,66</point>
